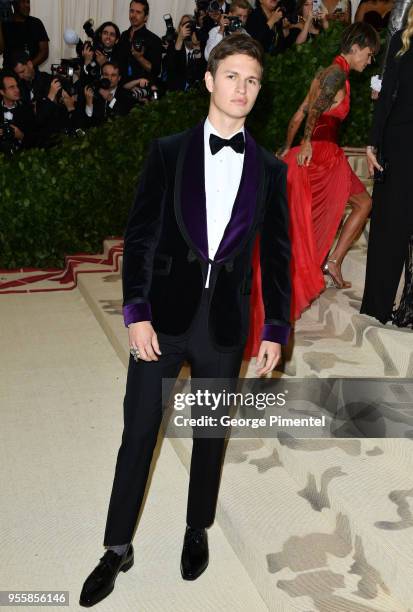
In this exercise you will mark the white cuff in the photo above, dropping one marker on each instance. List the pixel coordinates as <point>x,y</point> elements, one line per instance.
<point>89,110</point>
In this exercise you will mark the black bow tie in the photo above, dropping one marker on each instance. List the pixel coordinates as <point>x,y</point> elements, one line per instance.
<point>237,143</point>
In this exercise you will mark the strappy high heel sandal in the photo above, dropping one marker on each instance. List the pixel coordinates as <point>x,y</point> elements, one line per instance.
<point>326,270</point>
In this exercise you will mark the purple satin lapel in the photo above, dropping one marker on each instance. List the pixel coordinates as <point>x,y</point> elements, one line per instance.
<point>193,198</point>
<point>245,202</point>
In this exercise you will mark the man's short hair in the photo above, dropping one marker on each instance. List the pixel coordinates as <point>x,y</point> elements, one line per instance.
<point>19,57</point>
<point>233,45</point>
<point>240,4</point>
<point>113,64</point>
<point>6,74</point>
<point>144,4</point>
<point>361,34</point>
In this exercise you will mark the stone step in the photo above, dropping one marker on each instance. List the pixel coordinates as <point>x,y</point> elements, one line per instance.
<point>298,558</point>
<point>369,486</point>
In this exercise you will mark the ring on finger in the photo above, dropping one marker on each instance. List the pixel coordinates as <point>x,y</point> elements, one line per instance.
<point>135,353</point>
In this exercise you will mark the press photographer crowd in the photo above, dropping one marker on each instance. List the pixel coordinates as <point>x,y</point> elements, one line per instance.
<point>113,72</point>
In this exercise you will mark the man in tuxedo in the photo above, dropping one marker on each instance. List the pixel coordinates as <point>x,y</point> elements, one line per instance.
<point>109,102</point>
<point>203,197</point>
<point>184,63</point>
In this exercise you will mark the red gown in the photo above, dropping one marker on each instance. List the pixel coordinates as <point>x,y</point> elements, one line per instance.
<point>317,196</point>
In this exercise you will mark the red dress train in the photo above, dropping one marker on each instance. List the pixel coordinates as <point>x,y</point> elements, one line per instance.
<point>317,196</point>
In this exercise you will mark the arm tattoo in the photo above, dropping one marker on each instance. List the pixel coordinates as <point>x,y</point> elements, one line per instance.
<point>330,81</point>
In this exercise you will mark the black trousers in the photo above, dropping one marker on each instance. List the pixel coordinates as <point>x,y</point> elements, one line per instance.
<point>142,419</point>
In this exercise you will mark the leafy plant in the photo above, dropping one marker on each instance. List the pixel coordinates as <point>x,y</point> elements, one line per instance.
<point>67,199</point>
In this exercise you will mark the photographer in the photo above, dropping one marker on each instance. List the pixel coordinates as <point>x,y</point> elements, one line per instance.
<point>140,49</point>
<point>265,23</point>
<point>56,112</point>
<point>213,13</point>
<point>309,24</point>
<point>23,33</point>
<point>184,63</point>
<point>106,98</point>
<point>34,85</point>
<point>235,21</point>
<point>104,47</point>
<point>16,117</point>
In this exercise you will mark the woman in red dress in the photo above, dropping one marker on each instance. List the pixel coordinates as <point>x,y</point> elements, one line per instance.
<point>320,181</point>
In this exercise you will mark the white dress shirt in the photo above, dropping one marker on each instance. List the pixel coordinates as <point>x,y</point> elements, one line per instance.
<point>214,37</point>
<point>111,104</point>
<point>222,179</point>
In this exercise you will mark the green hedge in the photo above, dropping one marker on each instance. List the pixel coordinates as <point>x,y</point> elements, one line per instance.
<point>66,200</point>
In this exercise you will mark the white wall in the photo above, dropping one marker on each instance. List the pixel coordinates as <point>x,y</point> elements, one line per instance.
<point>60,14</point>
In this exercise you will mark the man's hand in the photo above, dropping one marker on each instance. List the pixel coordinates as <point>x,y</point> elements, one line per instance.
<point>69,101</point>
<point>101,58</point>
<point>305,154</point>
<point>268,357</point>
<point>275,17</point>
<point>223,23</point>
<point>18,134</point>
<point>89,95</point>
<point>372,162</point>
<point>55,87</point>
<point>138,55</point>
<point>87,53</point>
<point>142,336</point>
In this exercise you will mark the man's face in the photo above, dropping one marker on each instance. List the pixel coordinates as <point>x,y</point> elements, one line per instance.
<point>215,15</point>
<point>111,73</point>
<point>360,58</point>
<point>11,91</point>
<point>109,37</point>
<point>241,13</point>
<point>25,72</point>
<point>269,4</point>
<point>235,86</point>
<point>137,15</point>
<point>23,7</point>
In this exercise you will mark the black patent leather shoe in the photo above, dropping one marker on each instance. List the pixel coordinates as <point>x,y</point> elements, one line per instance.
<point>195,554</point>
<point>101,582</point>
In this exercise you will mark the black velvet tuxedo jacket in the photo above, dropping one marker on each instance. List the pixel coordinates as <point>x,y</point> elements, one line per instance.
<point>166,261</point>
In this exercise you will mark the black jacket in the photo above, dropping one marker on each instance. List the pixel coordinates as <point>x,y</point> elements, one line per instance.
<point>130,68</point>
<point>179,73</point>
<point>23,118</point>
<point>124,102</point>
<point>388,92</point>
<point>37,89</point>
<point>164,268</point>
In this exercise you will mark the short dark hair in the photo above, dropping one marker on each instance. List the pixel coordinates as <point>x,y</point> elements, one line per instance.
<point>113,64</point>
<point>361,34</point>
<point>6,74</point>
<point>232,45</point>
<point>144,4</point>
<point>19,57</point>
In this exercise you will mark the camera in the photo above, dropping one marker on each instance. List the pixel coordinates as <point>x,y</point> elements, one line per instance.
<point>100,84</point>
<point>289,14</point>
<point>137,42</point>
<point>64,73</point>
<point>235,24</point>
<point>8,143</point>
<point>170,36</point>
<point>96,44</point>
<point>145,93</point>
